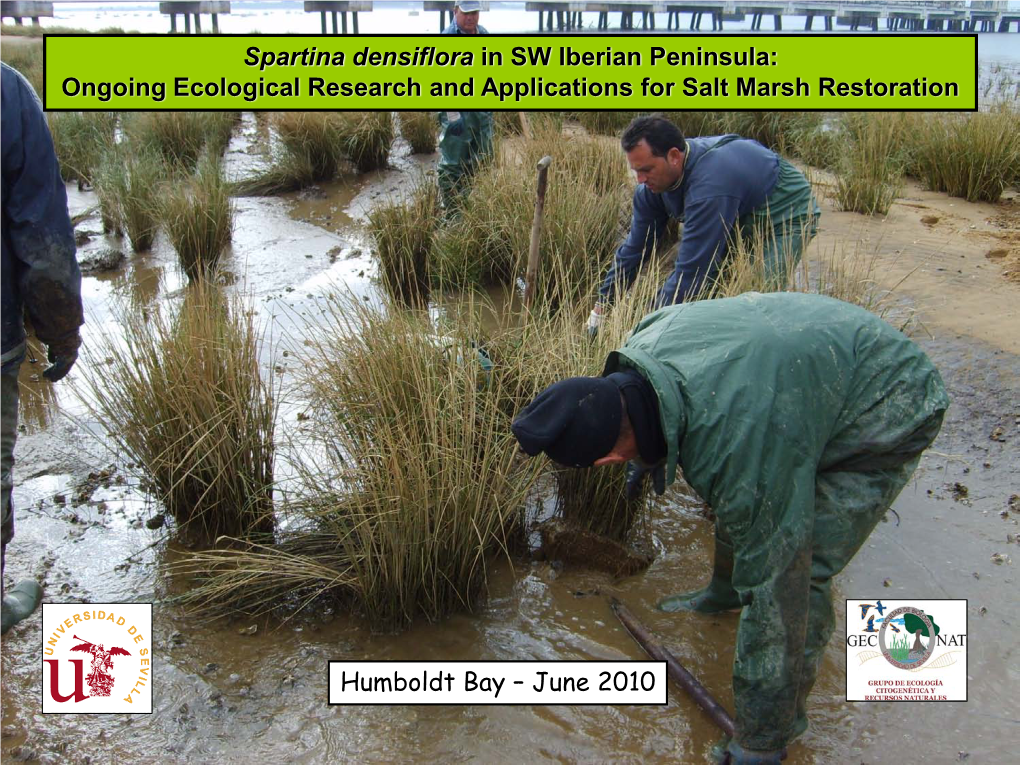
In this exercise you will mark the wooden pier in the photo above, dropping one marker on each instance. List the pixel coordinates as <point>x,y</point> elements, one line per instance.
<point>19,11</point>
<point>194,9</point>
<point>333,8</point>
<point>934,16</point>
<point>562,16</point>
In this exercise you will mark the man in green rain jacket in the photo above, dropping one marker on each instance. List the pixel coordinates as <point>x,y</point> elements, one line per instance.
<point>465,138</point>
<point>798,418</point>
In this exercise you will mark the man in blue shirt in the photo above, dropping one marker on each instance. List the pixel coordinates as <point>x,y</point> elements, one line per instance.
<point>719,186</point>
<point>40,278</point>
<point>466,137</point>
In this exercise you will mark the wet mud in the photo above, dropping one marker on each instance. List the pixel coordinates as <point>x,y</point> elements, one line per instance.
<point>234,691</point>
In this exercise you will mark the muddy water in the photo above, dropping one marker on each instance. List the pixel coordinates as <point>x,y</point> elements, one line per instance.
<point>224,696</point>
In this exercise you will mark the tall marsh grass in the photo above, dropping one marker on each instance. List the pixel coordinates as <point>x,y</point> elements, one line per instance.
<point>404,234</point>
<point>27,59</point>
<point>366,139</point>
<point>869,174</point>
<point>80,140</point>
<point>198,216</point>
<point>420,130</point>
<point>177,136</point>
<point>586,204</point>
<point>129,186</point>
<point>411,483</point>
<point>974,156</point>
<point>182,397</point>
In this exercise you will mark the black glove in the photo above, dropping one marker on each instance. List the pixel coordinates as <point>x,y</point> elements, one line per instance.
<point>636,478</point>
<point>62,355</point>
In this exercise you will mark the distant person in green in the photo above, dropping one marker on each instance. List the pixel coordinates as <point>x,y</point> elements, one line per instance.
<point>798,419</point>
<point>466,137</point>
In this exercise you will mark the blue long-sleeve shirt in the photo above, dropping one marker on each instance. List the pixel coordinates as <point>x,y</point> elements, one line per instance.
<point>40,273</point>
<point>725,178</point>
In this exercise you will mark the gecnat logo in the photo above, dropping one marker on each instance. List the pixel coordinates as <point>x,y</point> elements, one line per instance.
<point>921,644</point>
<point>97,658</point>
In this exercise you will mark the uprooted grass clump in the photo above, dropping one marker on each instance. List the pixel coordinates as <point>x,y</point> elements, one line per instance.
<point>183,399</point>
<point>409,487</point>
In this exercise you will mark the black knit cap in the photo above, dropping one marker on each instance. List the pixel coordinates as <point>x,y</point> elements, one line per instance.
<point>575,421</point>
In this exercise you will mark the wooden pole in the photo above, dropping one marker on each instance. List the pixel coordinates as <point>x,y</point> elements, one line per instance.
<point>675,669</point>
<point>531,277</point>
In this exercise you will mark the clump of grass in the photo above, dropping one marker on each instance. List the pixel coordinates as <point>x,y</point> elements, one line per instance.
<point>312,139</point>
<point>181,137</point>
<point>219,127</point>
<point>869,176</point>
<point>509,123</point>
<point>410,486</point>
<point>80,140</point>
<point>585,205</point>
<point>129,184</point>
<point>974,156</point>
<point>404,233</point>
<point>289,172</point>
<point>366,139</point>
<point>199,219</point>
<point>595,499</point>
<point>606,122</point>
<point>420,129</point>
<point>183,399</point>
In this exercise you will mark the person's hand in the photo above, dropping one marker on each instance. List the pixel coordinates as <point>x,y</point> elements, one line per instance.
<point>729,752</point>
<point>594,321</point>
<point>61,355</point>
<point>636,479</point>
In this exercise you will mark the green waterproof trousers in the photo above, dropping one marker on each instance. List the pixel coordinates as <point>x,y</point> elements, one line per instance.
<point>851,497</point>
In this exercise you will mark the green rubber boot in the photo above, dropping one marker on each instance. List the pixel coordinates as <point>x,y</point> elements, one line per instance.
<point>19,603</point>
<point>719,596</point>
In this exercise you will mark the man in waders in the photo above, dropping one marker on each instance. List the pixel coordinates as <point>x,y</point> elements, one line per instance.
<point>40,278</point>
<point>798,418</point>
<point>465,138</point>
<point>720,186</point>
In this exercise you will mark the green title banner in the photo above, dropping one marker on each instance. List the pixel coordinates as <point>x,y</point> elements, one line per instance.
<point>515,72</point>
